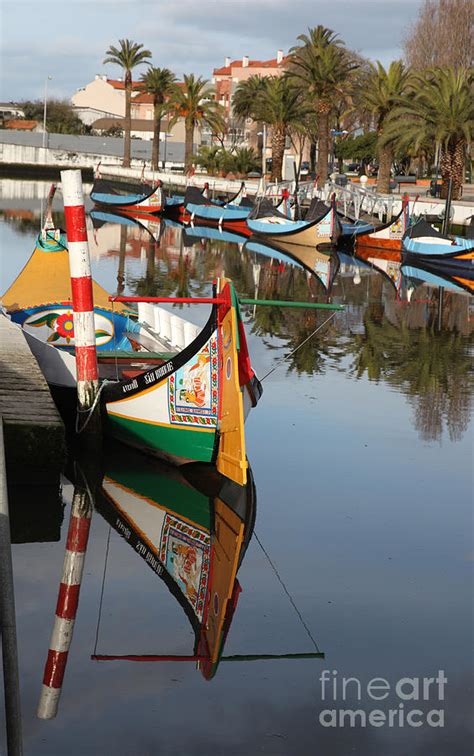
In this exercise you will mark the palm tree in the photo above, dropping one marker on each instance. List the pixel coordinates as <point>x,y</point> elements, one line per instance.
<point>440,111</point>
<point>128,55</point>
<point>278,104</point>
<point>380,91</point>
<point>160,83</point>
<point>195,102</point>
<point>321,66</point>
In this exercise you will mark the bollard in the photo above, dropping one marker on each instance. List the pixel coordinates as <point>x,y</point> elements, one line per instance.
<point>81,286</point>
<point>66,607</point>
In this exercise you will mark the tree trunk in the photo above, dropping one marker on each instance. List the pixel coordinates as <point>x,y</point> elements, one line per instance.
<point>278,150</point>
<point>155,150</point>
<point>452,167</point>
<point>128,123</point>
<point>312,157</point>
<point>385,166</point>
<point>188,146</point>
<point>323,142</point>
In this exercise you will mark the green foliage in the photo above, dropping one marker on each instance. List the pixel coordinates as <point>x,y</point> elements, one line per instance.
<point>440,109</point>
<point>160,83</point>
<point>128,55</point>
<point>215,160</point>
<point>362,147</point>
<point>320,64</point>
<point>195,102</point>
<point>60,116</point>
<point>270,99</point>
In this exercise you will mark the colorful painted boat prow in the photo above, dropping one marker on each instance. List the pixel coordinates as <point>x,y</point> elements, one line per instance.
<point>192,407</point>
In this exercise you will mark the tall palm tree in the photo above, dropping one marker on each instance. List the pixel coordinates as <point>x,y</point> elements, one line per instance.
<point>321,66</point>
<point>160,83</point>
<point>273,101</point>
<point>441,111</point>
<point>128,56</point>
<point>194,101</point>
<point>380,91</point>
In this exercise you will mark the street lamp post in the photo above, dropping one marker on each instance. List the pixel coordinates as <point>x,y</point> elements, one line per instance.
<point>263,134</point>
<point>48,78</point>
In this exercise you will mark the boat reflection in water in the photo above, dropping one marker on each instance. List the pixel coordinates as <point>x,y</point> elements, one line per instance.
<point>192,527</point>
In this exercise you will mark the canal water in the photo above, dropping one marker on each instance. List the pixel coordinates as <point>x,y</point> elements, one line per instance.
<point>361,452</point>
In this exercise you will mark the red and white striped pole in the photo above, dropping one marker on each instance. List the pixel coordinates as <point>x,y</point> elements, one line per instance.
<point>81,285</point>
<point>66,607</point>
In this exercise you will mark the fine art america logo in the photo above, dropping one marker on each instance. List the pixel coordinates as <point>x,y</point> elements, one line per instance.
<point>414,701</point>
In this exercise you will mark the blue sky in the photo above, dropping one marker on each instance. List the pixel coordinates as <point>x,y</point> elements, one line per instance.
<point>67,39</point>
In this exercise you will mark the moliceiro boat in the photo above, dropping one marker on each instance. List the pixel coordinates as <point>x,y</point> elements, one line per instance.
<point>192,407</point>
<point>200,209</point>
<point>321,225</point>
<point>191,527</point>
<point>169,388</point>
<point>387,236</point>
<point>131,199</point>
<point>423,246</point>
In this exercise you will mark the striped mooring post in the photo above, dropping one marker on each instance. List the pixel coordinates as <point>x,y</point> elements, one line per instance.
<point>67,603</point>
<point>81,285</point>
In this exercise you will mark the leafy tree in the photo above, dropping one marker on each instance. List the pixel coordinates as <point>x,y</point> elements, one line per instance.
<point>194,101</point>
<point>128,56</point>
<point>60,116</point>
<point>321,66</point>
<point>362,147</point>
<point>160,83</point>
<point>440,111</point>
<point>381,90</point>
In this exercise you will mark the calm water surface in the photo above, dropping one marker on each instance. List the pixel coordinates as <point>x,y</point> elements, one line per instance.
<point>361,450</point>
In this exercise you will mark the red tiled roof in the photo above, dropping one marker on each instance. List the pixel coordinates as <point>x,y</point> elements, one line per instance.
<point>227,70</point>
<point>21,124</point>
<point>116,84</point>
<point>143,97</point>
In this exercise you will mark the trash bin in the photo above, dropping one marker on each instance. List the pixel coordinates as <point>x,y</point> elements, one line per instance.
<point>341,180</point>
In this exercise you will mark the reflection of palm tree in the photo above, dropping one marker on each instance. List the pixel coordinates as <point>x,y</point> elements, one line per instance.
<point>429,366</point>
<point>121,265</point>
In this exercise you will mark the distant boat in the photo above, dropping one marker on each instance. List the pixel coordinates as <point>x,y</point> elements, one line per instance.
<point>191,527</point>
<point>200,209</point>
<point>388,236</point>
<point>141,199</point>
<point>450,256</point>
<point>321,226</point>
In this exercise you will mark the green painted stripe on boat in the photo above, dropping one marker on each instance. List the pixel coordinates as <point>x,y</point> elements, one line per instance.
<point>166,492</point>
<point>177,441</point>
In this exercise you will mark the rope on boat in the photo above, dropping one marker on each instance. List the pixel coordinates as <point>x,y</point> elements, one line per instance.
<point>288,594</point>
<point>286,356</point>
<point>102,592</point>
<point>90,410</point>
